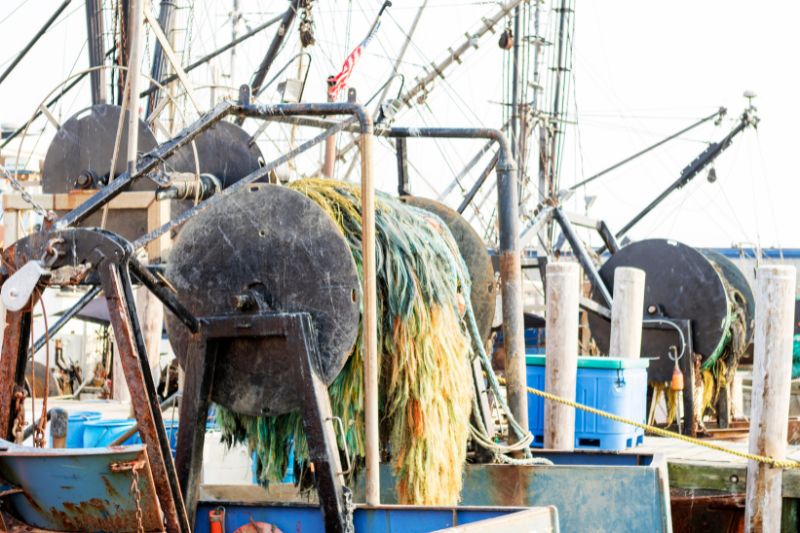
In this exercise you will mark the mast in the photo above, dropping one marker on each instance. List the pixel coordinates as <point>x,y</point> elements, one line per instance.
<point>166,19</point>
<point>556,118</point>
<point>515,74</point>
<point>550,130</point>
<point>135,18</point>
<point>95,30</point>
<point>235,19</point>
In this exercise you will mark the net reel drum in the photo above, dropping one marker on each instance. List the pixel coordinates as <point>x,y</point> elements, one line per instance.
<point>700,292</point>
<point>273,281</point>
<point>80,154</point>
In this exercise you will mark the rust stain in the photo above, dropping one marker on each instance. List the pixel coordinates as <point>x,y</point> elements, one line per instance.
<point>112,492</point>
<point>98,515</point>
<point>33,502</point>
<point>509,486</point>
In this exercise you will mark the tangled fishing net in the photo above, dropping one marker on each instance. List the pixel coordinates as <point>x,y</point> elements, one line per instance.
<point>424,347</point>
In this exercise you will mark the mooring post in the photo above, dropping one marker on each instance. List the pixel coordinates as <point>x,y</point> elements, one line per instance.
<point>626,313</point>
<point>561,361</point>
<point>772,374</point>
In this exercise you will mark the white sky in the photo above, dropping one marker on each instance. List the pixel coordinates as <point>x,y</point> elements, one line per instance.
<point>642,71</point>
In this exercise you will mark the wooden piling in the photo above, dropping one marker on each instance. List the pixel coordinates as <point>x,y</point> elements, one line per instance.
<point>59,426</point>
<point>626,313</point>
<point>772,374</point>
<point>561,362</point>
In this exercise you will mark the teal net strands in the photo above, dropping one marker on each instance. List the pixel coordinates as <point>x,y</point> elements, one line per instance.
<point>425,348</point>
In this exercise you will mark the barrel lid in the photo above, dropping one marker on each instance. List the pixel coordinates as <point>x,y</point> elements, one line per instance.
<point>594,362</point>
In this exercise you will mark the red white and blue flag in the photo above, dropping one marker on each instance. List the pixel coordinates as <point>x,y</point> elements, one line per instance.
<point>338,82</point>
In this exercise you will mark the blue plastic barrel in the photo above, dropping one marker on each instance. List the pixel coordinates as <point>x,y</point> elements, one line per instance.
<point>614,385</point>
<point>76,422</point>
<point>100,433</point>
<point>172,435</point>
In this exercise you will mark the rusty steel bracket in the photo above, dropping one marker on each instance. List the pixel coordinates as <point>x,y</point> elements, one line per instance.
<point>127,466</point>
<point>100,257</point>
<point>288,347</point>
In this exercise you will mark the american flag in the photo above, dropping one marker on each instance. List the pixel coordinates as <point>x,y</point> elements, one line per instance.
<point>338,82</point>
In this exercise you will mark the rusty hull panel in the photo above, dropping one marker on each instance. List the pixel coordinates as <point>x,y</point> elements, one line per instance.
<point>74,490</point>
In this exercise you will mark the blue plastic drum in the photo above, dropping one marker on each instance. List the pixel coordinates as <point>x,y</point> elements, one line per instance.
<point>76,422</point>
<point>101,433</point>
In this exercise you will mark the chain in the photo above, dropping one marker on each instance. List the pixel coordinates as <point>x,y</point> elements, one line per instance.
<point>19,422</point>
<point>26,196</point>
<point>349,508</point>
<point>137,496</point>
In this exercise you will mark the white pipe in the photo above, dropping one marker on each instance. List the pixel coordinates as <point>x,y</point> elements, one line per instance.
<point>370,323</point>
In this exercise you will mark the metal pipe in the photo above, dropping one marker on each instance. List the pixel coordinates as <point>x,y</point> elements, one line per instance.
<point>274,47</point>
<point>95,30</point>
<point>34,40</point>
<point>329,162</point>
<point>608,237</point>
<point>582,255</point>
<point>66,317</point>
<point>206,58</point>
<point>511,276</point>
<point>401,150</point>
<point>258,174</point>
<point>166,19</point>
<point>168,402</point>
<point>147,278</point>
<point>370,323</point>
<point>478,184</point>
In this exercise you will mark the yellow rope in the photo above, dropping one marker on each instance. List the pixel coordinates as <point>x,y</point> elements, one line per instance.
<point>777,463</point>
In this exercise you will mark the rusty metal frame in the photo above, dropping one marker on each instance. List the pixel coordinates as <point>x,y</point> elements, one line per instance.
<point>295,356</point>
<point>109,255</point>
<point>110,260</point>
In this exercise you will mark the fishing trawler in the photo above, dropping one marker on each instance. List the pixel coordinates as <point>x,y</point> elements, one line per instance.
<point>248,332</point>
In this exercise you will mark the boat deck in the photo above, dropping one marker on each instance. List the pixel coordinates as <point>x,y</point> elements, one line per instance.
<point>674,450</point>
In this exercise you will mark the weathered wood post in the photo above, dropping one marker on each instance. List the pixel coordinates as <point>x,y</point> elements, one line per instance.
<point>626,313</point>
<point>561,361</point>
<point>772,374</point>
<point>59,426</point>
